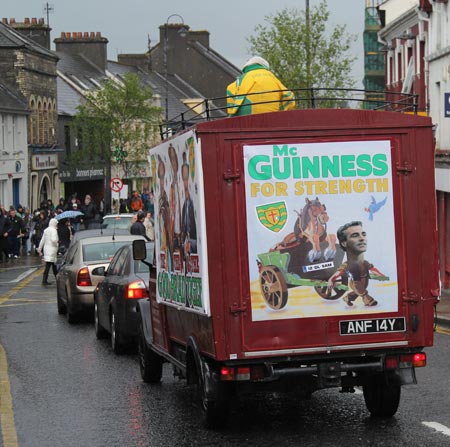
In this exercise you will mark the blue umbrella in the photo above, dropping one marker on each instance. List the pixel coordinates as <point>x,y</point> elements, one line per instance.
<point>69,214</point>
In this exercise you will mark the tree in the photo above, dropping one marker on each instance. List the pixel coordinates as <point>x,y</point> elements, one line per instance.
<point>118,120</point>
<point>302,53</point>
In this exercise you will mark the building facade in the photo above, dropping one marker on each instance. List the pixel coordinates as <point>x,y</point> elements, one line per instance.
<point>30,69</point>
<point>13,148</point>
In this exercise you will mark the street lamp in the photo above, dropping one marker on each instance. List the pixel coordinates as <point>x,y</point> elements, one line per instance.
<point>182,32</point>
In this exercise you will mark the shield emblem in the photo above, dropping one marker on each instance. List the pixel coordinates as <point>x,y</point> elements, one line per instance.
<point>273,216</point>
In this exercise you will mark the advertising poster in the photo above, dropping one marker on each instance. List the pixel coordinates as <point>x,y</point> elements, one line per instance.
<point>180,235</point>
<point>321,239</point>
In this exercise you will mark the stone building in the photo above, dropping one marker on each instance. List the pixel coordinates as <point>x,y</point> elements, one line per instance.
<point>29,68</point>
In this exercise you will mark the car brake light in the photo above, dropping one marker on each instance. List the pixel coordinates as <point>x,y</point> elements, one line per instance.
<point>84,278</point>
<point>136,290</point>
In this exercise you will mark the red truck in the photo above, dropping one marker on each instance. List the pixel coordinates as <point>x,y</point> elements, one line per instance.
<point>294,251</point>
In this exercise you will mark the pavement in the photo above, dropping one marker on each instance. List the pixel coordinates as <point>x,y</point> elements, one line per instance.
<point>16,270</point>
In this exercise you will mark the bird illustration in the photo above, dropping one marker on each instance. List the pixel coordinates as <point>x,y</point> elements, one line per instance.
<point>374,206</point>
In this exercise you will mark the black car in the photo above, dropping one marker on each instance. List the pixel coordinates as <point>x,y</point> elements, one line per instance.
<point>116,297</point>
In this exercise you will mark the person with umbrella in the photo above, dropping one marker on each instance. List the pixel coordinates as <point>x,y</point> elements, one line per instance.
<point>74,215</point>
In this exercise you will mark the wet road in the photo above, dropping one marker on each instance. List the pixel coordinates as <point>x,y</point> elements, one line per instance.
<point>68,389</point>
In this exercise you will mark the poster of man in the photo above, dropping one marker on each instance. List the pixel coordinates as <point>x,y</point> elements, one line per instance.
<point>298,198</point>
<point>180,236</point>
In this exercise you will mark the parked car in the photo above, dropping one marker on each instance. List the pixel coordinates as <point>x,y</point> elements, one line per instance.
<point>83,268</point>
<point>116,297</point>
<point>118,221</point>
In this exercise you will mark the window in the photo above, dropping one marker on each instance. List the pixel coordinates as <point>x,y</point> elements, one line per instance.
<point>101,251</point>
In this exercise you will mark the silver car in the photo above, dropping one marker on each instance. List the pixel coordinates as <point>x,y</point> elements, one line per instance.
<point>83,268</point>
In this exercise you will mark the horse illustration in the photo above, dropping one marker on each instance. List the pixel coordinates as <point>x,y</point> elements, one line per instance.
<point>311,226</point>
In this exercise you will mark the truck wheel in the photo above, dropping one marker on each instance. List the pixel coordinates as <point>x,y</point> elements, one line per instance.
<point>273,287</point>
<point>381,399</point>
<point>215,413</point>
<point>150,363</point>
<point>333,295</point>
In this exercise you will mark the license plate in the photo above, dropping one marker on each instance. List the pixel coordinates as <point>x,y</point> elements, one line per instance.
<point>373,326</point>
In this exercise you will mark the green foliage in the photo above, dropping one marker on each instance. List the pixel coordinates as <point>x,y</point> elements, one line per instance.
<point>304,53</point>
<point>116,116</point>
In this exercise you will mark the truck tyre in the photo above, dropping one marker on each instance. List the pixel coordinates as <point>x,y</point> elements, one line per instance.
<point>214,412</point>
<point>150,363</point>
<point>273,287</point>
<point>382,399</point>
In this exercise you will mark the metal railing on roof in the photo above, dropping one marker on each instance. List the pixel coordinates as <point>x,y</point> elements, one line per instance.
<point>312,98</point>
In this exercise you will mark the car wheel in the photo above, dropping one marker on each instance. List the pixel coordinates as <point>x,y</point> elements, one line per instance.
<point>62,309</point>
<point>70,314</point>
<point>150,363</point>
<point>117,344</point>
<point>100,331</point>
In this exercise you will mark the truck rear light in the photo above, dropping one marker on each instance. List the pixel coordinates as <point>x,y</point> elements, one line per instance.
<point>391,362</point>
<point>84,278</point>
<point>420,359</point>
<point>406,361</point>
<point>226,373</point>
<point>136,290</point>
<point>241,373</point>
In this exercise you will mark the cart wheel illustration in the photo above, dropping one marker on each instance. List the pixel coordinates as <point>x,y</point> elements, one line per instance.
<point>324,293</point>
<point>273,287</point>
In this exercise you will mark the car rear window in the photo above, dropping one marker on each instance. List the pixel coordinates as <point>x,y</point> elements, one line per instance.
<point>120,223</point>
<point>101,251</point>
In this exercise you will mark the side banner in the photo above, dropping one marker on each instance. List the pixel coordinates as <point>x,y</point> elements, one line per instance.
<point>321,237</point>
<point>180,235</point>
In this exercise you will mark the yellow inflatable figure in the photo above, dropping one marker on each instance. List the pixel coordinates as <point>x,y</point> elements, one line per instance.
<point>257,90</point>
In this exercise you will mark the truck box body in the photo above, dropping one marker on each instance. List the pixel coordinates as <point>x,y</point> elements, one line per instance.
<point>267,194</point>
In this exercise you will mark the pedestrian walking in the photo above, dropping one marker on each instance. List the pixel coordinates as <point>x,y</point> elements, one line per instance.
<point>4,229</point>
<point>48,248</point>
<point>16,233</point>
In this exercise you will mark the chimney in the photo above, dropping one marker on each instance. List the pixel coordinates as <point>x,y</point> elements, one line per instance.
<point>200,36</point>
<point>34,29</point>
<point>90,45</point>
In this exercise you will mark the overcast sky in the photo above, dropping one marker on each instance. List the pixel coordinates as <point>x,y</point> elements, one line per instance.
<point>128,24</point>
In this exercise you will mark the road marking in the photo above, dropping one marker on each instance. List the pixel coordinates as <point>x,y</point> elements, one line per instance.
<point>21,276</point>
<point>7,425</point>
<point>20,286</point>
<point>442,330</point>
<point>438,427</point>
<point>9,434</point>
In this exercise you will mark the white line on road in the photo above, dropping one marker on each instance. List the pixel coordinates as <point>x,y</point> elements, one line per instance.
<point>20,277</point>
<point>438,427</point>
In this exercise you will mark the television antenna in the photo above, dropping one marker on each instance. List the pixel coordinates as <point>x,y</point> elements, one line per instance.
<point>48,8</point>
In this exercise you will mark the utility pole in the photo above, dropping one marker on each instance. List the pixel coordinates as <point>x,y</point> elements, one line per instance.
<point>308,45</point>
